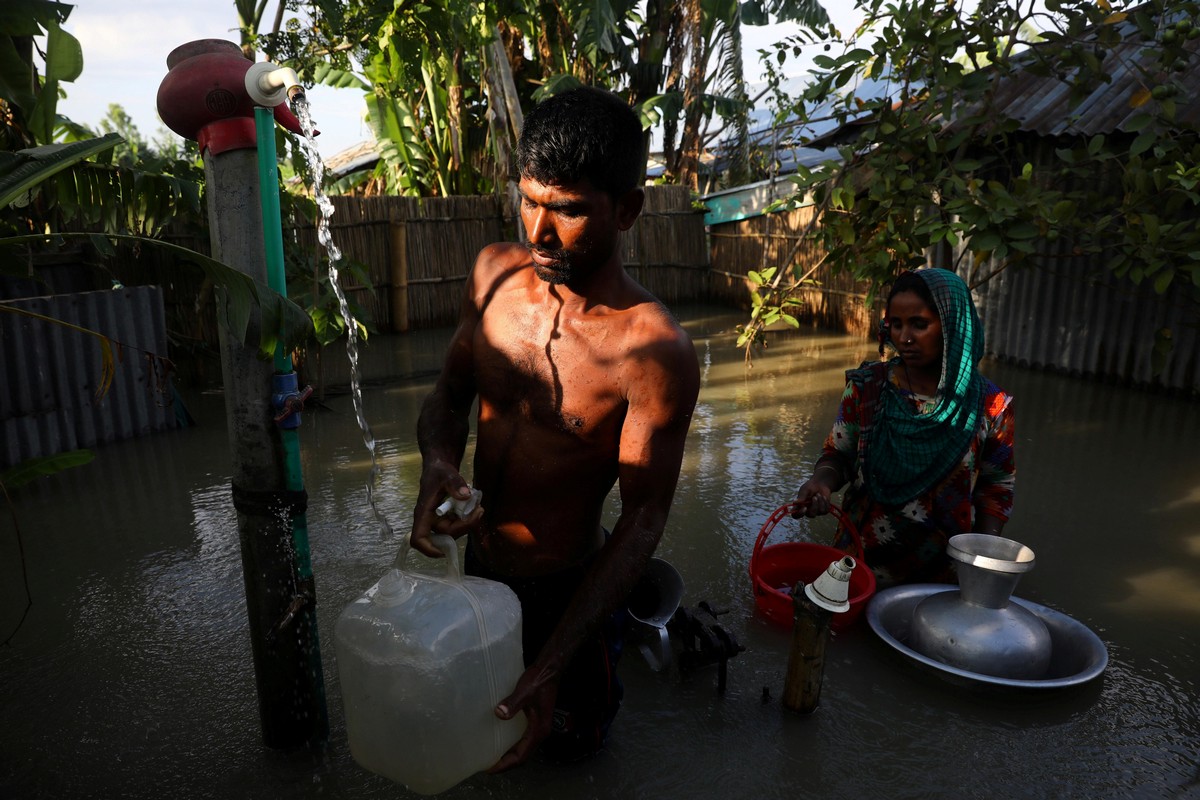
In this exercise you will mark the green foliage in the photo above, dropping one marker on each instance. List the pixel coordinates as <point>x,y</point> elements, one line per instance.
<point>420,69</point>
<point>31,469</point>
<point>310,287</point>
<point>434,75</point>
<point>23,172</point>
<point>31,100</point>
<point>114,185</point>
<point>46,160</point>
<point>931,164</point>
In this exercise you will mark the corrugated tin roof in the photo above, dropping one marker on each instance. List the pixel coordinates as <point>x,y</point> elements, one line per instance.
<point>1044,103</point>
<point>355,157</point>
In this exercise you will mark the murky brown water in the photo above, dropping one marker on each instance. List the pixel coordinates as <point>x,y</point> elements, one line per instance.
<point>132,675</point>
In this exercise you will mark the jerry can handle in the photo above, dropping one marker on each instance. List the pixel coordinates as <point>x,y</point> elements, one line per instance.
<point>444,543</point>
<point>450,548</point>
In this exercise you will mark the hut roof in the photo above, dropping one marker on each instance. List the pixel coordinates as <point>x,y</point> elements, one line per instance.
<point>1044,102</point>
<point>1049,103</point>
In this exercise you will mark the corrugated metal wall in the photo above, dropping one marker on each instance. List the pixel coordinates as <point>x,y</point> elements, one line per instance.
<point>1066,311</point>
<point>48,400</point>
<point>1080,320</point>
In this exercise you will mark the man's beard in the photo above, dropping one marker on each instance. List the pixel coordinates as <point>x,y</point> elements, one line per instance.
<point>561,272</point>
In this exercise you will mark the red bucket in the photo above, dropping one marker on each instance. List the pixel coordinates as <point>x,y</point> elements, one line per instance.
<point>775,569</point>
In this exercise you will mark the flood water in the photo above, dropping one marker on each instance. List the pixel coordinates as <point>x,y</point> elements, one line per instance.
<point>132,674</point>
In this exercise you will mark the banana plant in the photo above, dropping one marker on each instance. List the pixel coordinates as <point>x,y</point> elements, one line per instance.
<point>418,67</point>
<point>42,186</point>
<point>423,71</point>
<point>23,171</point>
<point>31,100</point>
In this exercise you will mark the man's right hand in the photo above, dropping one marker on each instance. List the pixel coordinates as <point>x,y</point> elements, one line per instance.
<point>439,481</point>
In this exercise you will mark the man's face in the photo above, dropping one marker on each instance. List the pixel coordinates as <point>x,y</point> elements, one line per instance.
<point>570,229</point>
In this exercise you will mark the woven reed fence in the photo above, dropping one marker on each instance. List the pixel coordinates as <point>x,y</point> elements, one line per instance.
<point>778,240</point>
<point>666,250</point>
<point>417,253</point>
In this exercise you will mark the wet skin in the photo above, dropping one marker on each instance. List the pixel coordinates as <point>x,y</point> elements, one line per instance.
<point>583,380</point>
<point>569,232</point>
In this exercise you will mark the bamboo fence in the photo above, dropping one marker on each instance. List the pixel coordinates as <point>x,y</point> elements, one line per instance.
<point>416,253</point>
<point>780,240</point>
<point>665,250</point>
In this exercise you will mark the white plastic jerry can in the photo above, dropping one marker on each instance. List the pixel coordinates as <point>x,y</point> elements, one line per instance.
<point>422,662</point>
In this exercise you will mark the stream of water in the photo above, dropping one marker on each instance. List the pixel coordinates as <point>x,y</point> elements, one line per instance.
<point>316,165</point>
<point>132,676</point>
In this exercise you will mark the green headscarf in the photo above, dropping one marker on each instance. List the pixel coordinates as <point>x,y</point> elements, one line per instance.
<point>907,452</point>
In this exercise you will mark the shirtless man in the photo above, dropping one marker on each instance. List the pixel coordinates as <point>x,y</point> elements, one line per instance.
<point>583,380</point>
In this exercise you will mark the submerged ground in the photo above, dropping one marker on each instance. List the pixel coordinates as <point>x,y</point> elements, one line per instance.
<point>132,676</point>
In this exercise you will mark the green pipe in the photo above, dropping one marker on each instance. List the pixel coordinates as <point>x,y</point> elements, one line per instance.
<point>268,182</point>
<point>264,122</point>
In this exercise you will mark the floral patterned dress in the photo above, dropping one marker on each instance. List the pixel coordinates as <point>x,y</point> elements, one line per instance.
<point>907,543</point>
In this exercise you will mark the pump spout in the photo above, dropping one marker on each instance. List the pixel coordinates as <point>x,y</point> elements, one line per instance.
<point>269,85</point>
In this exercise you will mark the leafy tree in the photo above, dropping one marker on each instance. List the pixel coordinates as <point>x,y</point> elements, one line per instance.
<point>419,67</point>
<point>933,163</point>
<point>436,76</point>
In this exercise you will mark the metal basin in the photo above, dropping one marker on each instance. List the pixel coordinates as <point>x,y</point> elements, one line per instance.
<point>1076,653</point>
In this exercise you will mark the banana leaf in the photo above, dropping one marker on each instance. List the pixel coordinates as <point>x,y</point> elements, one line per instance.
<point>33,468</point>
<point>22,170</point>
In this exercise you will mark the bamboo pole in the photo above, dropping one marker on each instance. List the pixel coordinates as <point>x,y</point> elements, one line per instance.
<point>399,262</point>
<point>806,661</point>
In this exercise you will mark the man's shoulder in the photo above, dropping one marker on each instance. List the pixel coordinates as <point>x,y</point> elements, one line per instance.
<point>660,350</point>
<point>499,267</point>
<point>656,322</point>
<point>502,257</point>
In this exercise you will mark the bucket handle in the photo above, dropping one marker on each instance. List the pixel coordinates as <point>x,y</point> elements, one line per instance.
<point>787,509</point>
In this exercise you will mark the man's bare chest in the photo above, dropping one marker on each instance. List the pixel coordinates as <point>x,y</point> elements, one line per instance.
<point>566,379</point>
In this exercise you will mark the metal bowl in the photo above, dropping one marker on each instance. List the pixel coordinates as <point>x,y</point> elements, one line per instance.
<point>1076,653</point>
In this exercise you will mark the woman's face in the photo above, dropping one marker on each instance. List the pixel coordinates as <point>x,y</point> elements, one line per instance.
<point>916,332</point>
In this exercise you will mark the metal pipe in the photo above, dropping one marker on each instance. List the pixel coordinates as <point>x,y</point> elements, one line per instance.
<point>202,98</point>
<point>281,672</point>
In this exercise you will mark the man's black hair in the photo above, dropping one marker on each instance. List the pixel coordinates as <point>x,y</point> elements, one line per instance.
<point>584,133</point>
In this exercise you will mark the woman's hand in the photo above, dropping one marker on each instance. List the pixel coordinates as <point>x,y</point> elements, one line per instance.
<point>812,499</point>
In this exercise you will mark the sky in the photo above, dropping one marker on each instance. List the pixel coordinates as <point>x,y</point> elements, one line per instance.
<point>125,47</point>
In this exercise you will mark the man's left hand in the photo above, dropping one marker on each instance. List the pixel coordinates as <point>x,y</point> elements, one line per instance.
<point>535,695</point>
